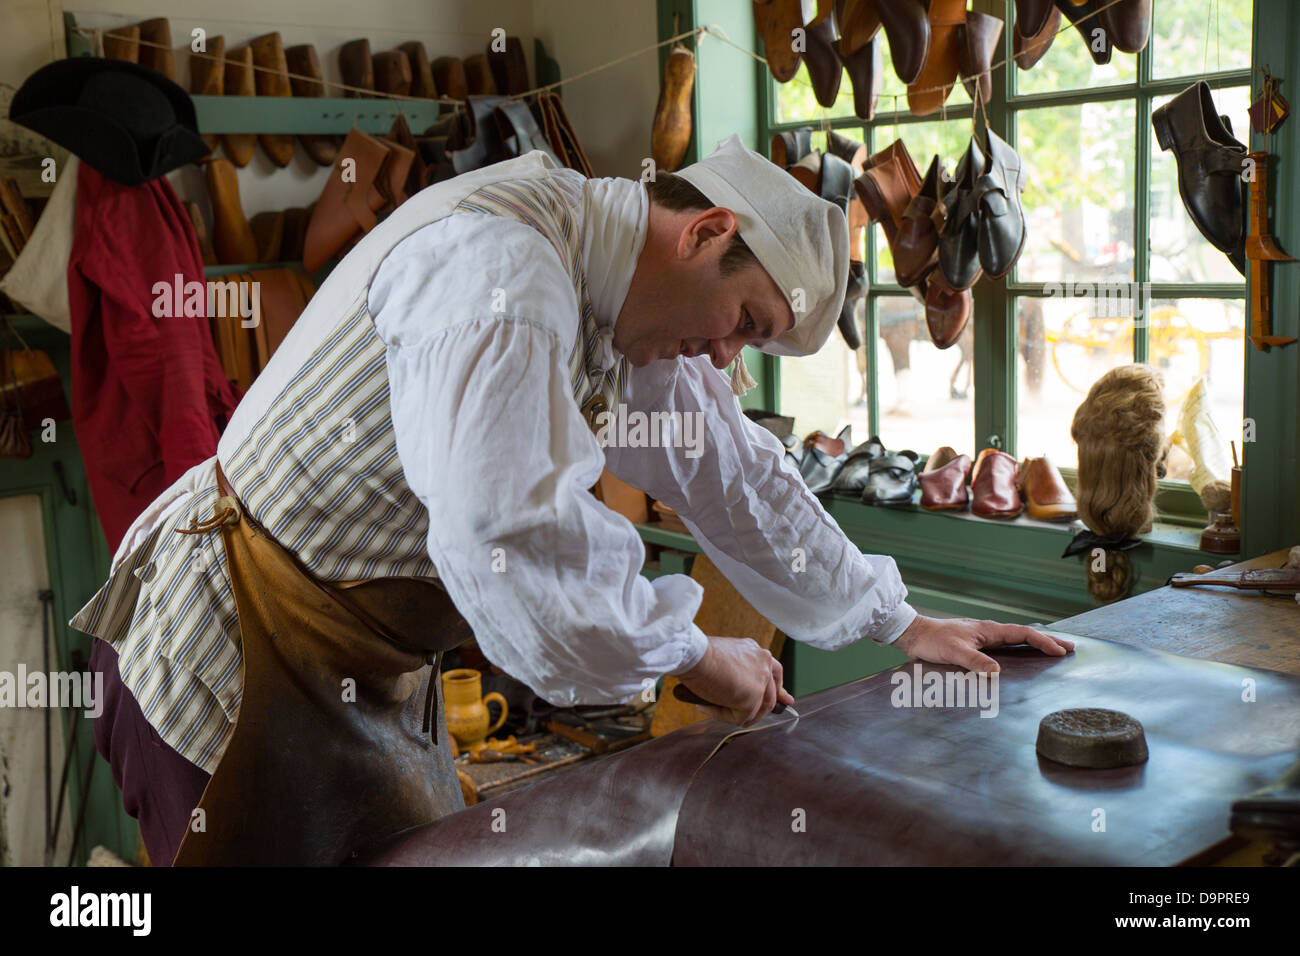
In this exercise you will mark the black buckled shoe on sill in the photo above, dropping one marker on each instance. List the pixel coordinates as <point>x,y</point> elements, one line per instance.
<point>853,476</point>
<point>891,480</point>
<point>1210,163</point>
<point>823,457</point>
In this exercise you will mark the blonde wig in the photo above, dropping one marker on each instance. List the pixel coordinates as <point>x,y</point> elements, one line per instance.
<point>1119,431</point>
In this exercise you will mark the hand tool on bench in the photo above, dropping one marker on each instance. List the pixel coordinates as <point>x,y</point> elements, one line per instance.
<point>685,694</point>
<point>1258,579</point>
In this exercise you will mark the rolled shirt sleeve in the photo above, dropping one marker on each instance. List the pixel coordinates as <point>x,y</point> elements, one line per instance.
<point>753,515</point>
<point>479,319</point>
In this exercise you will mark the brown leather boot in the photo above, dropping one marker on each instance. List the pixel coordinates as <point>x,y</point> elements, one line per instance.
<point>232,236</point>
<point>272,79</point>
<point>207,73</point>
<point>306,80</point>
<point>239,82</point>
<point>1028,50</point>
<point>348,209</point>
<point>671,134</point>
<point>932,87</point>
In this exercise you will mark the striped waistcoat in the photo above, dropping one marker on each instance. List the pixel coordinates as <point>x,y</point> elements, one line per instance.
<point>319,469</point>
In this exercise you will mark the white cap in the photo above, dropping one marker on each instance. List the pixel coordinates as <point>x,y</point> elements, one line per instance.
<point>800,239</point>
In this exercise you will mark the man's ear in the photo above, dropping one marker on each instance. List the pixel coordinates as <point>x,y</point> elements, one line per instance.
<point>707,233</point>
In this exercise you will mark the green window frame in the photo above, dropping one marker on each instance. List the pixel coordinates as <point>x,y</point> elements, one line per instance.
<point>995,362</point>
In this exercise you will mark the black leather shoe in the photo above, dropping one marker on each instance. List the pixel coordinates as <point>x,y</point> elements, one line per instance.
<point>1001,217</point>
<point>959,241</point>
<point>822,58</point>
<point>1210,162</point>
<point>891,480</point>
<point>848,320</point>
<point>1095,37</point>
<point>788,148</point>
<point>853,476</point>
<point>1128,23</point>
<point>823,457</point>
<point>866,76</point>
<point>1031,15</point>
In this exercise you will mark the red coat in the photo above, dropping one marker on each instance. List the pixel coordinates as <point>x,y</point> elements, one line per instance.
<point>148,395</point>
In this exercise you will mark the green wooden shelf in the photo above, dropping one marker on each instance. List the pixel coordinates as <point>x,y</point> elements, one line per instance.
<point>285,115</point>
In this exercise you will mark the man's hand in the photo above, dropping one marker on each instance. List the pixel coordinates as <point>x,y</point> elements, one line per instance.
<point>741,678</point>
<point>959,641</point>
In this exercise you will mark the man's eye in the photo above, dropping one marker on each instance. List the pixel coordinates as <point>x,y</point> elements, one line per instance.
<point>749,325</point>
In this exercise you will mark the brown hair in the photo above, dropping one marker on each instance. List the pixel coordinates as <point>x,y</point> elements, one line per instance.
<point>1118,429</point>
<point>676,194</point>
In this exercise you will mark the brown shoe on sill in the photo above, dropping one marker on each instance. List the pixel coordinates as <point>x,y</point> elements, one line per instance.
<point>993,485</point>
<point>1045,493</point>
<point>943,483</point>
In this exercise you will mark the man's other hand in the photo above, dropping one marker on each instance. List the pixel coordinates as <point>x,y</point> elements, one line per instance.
<point>741,679</point>
<point>960,641</point>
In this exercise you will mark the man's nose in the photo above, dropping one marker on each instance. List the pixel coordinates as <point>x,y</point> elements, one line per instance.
<point>724,351</point>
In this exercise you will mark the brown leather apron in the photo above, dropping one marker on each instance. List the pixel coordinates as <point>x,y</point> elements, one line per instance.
<point>340,740</point>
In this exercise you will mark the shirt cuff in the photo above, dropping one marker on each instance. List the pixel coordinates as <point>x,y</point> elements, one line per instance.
<point>695,643</point>
<point>898,622</point>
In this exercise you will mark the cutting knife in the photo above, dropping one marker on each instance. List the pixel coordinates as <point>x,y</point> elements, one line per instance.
<point>686,695</point>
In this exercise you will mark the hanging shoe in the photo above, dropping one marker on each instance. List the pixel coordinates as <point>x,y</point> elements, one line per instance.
<point>886,188</point>
<point>854,292</point>
<point>1028,49</point>
<point>1090,27</point>
<point>916,245</point>
<point>959,240</point>
<point>1032,15</point>
<point>519,130</point>
<point>822,58</point>
<point>852,151</point>
<point>939,74</point>
<point>906,28</point>
<point>978,41</point>
<point>866,75</point>
<point>239,82</point>
<point>1128,24</point>
<point>1002,230</point>
<point>775,21</point>
<point>1210,164</point>
<point>272,79</point>
<point>306,81</point>
<point>947,311</point>
<point>790,147</point>
<point>671,132</point>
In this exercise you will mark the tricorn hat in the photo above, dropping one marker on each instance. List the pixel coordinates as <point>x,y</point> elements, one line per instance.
<point>127,121</point>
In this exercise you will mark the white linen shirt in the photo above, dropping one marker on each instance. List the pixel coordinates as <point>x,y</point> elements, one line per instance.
<point>492,443</point>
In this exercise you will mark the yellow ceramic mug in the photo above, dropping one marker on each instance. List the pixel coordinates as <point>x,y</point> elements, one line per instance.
<point>468,719</point>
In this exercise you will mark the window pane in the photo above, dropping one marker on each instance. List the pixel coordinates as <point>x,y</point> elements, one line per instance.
<point>1064,344</point>
<point>927,396</point>
<point>1179,253</point>
<point>1079,199</point>
<point>1191,338</point>
<point>826,390</point>
<point>1069,66</point>
<point>923,141</point>
<point>1191,38</point>
<point>795,102</point>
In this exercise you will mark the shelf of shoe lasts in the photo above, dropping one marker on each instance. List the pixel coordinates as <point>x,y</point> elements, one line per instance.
<point>289,115</point>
